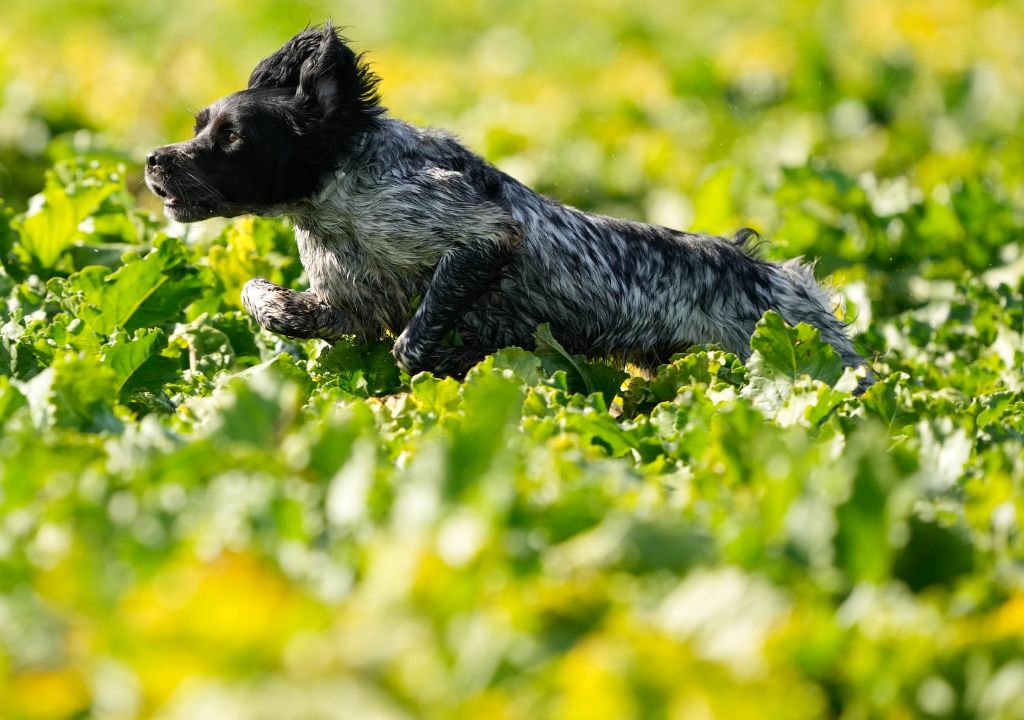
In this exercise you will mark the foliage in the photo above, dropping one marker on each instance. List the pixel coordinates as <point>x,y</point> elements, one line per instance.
<point>198,518</point>
<point>190,504</point>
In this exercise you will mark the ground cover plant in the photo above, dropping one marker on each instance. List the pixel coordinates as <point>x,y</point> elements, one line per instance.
<point>200,519</point>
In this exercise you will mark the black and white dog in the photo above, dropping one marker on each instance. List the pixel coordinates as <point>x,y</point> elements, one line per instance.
<point>403,230</point>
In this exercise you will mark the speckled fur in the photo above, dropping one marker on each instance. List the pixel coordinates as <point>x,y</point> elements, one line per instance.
<point>375,235</point>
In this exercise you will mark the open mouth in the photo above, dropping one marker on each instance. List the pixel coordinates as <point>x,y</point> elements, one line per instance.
<point>175,206</point>
<point>161,192</point>
<point>186,208</point>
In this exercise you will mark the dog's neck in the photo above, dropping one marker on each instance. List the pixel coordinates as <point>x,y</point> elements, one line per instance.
<point>336,183</point>
<point>327,206</point>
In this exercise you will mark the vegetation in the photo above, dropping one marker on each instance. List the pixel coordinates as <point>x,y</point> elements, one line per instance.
<point>199,519</point>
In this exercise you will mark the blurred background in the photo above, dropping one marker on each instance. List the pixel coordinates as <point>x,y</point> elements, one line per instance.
<point>203,563</point>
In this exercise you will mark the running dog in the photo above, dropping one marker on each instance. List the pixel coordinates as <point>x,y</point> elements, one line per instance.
<point>404,232</point>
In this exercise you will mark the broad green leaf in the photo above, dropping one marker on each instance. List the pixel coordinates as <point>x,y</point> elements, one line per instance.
<point>255,406</point>
<point>583,376</point>
<point>362,369</point>
<point>440,396</point>
<point>240,331</point>
<point>781,350</point>
<point>555,357</point>
<point>492,405</point>
<point>781,355</point>
<point>52,222</point>
<point>137,361</point>
<point>525,365</point>
<point>11,399</point>
<point>698,365</point>
<point>146,291</point>
<point>209,350</point>
<point>76,392</point>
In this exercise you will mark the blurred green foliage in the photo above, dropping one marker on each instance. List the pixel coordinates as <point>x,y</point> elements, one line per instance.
<point>199,519</point>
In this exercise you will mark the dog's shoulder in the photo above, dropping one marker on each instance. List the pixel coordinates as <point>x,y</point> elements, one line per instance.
<point>425,161</point>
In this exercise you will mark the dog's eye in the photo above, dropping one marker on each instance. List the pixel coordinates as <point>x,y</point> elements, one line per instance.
<point>233,137</point>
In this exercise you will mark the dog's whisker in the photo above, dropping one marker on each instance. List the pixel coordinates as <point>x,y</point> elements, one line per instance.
<point>212,194</point>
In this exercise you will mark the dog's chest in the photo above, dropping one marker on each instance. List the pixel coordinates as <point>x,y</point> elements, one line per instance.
<point>337,259</point>
<point>344,273</point>
<point>359,235</point>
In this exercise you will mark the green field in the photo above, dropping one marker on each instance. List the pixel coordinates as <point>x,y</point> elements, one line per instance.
<point>199,519</point>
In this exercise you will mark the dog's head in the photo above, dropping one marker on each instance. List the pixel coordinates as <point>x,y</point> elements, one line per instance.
<point>273,143</point>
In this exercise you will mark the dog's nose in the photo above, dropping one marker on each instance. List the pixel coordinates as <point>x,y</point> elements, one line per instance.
<point>156,157</point>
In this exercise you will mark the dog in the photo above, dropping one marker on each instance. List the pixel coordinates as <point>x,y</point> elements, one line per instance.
<point>404,232</point>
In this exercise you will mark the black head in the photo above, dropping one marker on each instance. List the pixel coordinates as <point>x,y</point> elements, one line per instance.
<point>273,143</point>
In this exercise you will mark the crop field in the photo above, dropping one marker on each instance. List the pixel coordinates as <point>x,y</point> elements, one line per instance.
<point>200,519</point>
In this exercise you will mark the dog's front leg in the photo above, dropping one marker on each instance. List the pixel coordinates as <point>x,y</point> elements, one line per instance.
<point>461,278</point>
<point>292,313</point>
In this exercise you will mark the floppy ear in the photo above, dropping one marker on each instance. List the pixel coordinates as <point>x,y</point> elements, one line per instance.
<point>328,77</point>
<point>283,67</point>
<point>331,81</point>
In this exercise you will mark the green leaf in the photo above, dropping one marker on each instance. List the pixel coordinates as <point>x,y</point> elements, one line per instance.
<point>697,366</point>
<point>11,399</point>
<point>440,396</point>
<point>605,379</point>
<point>52,222</point>
<point>793,351</point>
<point>524,364</point>
<point>209,349</point>
<point>255,406</point>
<point>76,392</point>
<point>492,405</point>
<point>146,291</point>
<point>782,354</point>
<point>138,363</point>
<point>582,376</point>
<point>864,519</point>
<point>362,369</point>
<point>555,357</point>
<point>240,331</point>
<point>280,368</point>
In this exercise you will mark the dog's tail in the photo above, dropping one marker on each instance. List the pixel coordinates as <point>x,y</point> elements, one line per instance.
<point>799,297</point>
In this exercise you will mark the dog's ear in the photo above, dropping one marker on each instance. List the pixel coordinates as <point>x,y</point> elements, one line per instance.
<point>326,77</point>
<point>330,79</point>
<point>282,69</point>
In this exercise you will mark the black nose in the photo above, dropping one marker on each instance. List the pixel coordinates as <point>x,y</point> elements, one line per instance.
<point>156,157</point>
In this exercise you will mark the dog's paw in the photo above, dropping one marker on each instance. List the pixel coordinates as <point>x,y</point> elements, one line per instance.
<point>416,357</point>
<point>265,302</point>
<point>284,311</point>
<point>253,293</point>
<point>409,355</point>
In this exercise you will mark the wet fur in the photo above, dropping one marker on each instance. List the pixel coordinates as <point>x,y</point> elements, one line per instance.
<point>389,215</point>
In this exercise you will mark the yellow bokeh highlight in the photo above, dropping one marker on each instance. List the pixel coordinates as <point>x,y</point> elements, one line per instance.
<point>45,695</point>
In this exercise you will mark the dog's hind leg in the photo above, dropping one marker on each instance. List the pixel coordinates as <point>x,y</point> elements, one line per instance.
<point>293,313</point>
<point>462,277</point>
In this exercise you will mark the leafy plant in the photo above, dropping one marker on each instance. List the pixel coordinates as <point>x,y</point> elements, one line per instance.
<point>198,518</point>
